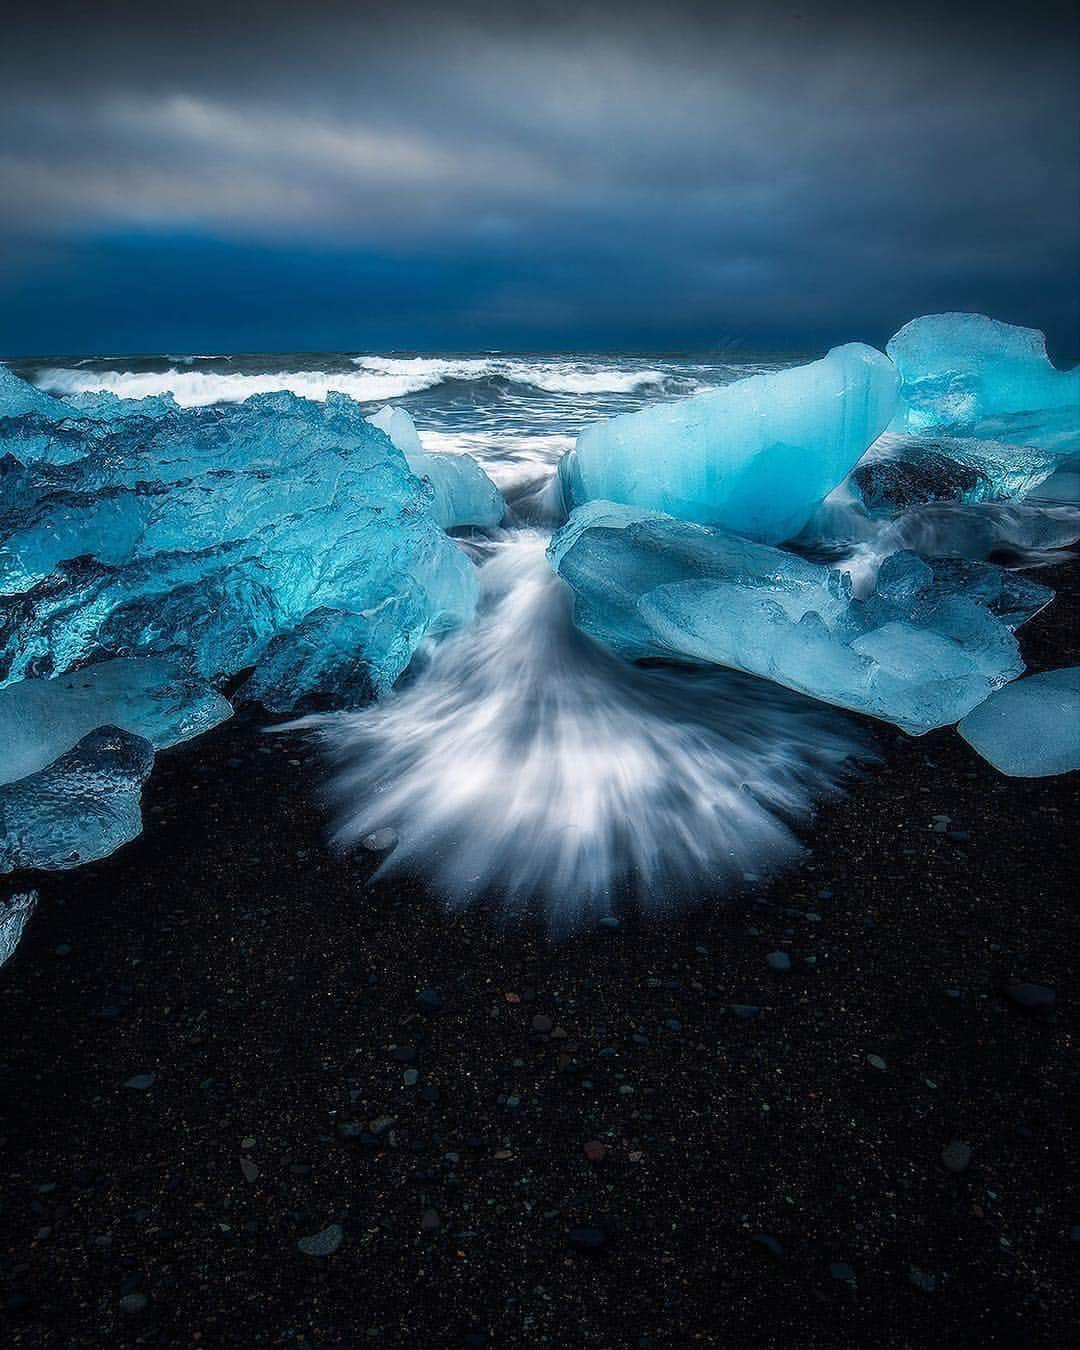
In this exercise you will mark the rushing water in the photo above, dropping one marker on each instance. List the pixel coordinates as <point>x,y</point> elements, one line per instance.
<point>518,757</point>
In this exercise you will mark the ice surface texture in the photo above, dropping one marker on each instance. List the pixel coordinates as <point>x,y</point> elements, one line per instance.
<point>967,375</point>
<point>205,534</point>
<point>756,456</point>
<point>1031,728</point>
<point>149,551</point>
<point>82,807</point>
<point>41,719</point>
<point>914,652</point>
<point>464,494</point>
<point>14,913</point>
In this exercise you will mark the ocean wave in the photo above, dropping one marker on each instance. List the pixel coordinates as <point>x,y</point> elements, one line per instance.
<point>375,379</point>
<point>550,377</point>
<point>197,388</point>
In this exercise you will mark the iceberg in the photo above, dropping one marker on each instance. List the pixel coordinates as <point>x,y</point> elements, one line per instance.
<point>41,719</point>
<point>464,494</point>
<point>14,914</point>
<point>81,807</point>
<point>756,456</point>
<point>201,534</point>
<point>1031,728</point>
<point>968,375</point>
<point>914,652</point>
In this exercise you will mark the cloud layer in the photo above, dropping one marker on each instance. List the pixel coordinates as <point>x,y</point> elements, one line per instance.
<point>559,177</point>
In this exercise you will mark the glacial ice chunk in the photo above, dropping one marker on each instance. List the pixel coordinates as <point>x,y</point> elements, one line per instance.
<point>756,456</point>
<point>336,659</point>
<point>41,719</point>
<point>968,375</point>
<point>81,807</point>
<point>917,654</point>
<point>1030,729</point>
<point>202,534</point>
<point>464,494</point>
<point>14,913</point>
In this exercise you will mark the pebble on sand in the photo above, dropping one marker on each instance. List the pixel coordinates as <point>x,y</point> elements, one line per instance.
<point>956,1156</point>
<point>324,1243</point>
<point>379,841</point>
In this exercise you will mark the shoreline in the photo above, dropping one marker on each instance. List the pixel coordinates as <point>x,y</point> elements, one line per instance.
<point>764,1182</point>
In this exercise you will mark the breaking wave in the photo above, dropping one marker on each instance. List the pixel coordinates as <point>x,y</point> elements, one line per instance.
<point>374,379</point>
<point>551,377</point>
<point>525,758</point>
<point>197,388</point>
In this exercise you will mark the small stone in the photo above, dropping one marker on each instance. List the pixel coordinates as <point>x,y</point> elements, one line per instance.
<point>379,841</point>
<point>133,1303</point>
<point>595,1150</point>
<point>64,949</point>
<point>956,1156</point>
<point>542,1023</point>
<point>141,1081</point>
<point>381,1124</point>
<point>249,1141</point>
<point>430,1002</point>
<point>840,1270</point>
<point>250,1171</point>
<point>778,961</point>
<point>772,1245</point>
<point>744,1011</point>
<point>410,1077</point>
<point>587,1239</point>
<point>1036,998</point>
<point>876,1062</point>
<point>922,1280</point>
<point>325,1243</point>
<point>430,1221</point>
<point>608,921</point>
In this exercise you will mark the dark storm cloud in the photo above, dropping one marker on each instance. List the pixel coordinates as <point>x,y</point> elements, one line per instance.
<point>672,175</point>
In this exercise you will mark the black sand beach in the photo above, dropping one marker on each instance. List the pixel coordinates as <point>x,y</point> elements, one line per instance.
<point>635,1136</point>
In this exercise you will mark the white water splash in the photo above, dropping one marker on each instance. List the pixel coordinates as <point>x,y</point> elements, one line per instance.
<point>526,760</point>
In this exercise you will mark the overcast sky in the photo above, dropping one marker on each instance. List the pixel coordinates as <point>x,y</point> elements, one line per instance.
<point>663,176</point>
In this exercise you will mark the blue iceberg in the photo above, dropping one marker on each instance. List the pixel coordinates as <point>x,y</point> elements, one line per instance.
<point>756,456</point>
<point>1031,728</point>
<point>81,807</point>
<point>203,534</point>
<point>464,494</point>
<point>968,375</point>
<point>41,719</point>
<point>913,652</point>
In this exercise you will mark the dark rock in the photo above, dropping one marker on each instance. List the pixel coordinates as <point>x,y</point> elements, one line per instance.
<point>1040,999</point>
<point>587,1239</point>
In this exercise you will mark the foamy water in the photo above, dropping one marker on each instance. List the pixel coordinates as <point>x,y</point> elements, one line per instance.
<point>522,759</point>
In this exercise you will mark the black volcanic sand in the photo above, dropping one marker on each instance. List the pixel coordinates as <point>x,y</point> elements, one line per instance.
<point>765,1182</point>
